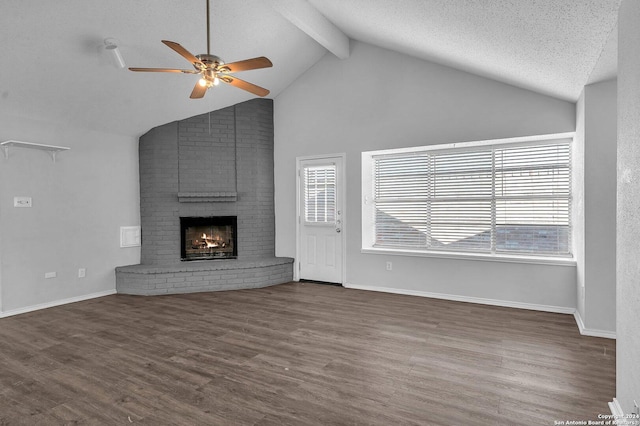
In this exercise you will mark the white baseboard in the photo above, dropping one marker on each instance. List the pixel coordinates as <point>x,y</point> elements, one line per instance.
<point>494,302</point>
<point>616,409</point>
<point>469,299</point>
<point>56,303</point>
<point>591,331</point>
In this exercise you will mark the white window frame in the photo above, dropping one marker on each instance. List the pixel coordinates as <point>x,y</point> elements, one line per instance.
<point>330,202</point>
<point>368,208</point>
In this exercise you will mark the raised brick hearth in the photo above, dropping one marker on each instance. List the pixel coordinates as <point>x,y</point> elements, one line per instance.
<point>189,277</point>
<point>215,164</point>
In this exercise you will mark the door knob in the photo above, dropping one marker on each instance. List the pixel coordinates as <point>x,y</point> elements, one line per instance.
<point>338,230</point>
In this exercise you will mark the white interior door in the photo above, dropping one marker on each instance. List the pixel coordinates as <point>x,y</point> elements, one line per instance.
<point>320,231</point>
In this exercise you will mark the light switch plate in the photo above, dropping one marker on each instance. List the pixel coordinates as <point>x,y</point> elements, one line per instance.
<point>21,201</point>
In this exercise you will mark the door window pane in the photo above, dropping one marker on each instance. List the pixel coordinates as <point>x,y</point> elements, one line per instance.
<point>320,194</point>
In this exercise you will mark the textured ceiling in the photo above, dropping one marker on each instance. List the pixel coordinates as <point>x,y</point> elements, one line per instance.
<point>54,68</point>
<point>550,46</point>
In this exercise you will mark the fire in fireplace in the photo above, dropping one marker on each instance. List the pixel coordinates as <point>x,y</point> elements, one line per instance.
<point>204,238</point>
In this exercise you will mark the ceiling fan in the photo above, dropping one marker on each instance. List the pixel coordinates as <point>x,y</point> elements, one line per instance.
<point>213,70</point>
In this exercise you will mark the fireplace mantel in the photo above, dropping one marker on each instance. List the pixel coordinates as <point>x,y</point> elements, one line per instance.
<point>207,197</point>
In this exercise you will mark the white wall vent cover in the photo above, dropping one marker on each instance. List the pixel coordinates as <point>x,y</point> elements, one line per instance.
<point>130,236</point>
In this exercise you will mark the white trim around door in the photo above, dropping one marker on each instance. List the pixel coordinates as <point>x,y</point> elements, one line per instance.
<point>339,227</point>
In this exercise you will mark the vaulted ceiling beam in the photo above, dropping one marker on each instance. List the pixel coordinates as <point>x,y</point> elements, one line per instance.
<point>303,15</point>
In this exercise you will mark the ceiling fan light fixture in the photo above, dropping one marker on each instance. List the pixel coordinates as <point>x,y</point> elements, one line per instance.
<point>211,68</point>
<point>111,46</point>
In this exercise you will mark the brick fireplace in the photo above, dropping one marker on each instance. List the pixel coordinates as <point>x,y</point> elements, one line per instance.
<point>218,164</point>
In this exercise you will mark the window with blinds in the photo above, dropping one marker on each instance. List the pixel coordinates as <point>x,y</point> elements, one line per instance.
<point>320,194</point>
<point>481,199</point>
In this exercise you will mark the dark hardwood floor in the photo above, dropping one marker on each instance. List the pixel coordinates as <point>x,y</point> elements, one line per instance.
<point>299,354</point>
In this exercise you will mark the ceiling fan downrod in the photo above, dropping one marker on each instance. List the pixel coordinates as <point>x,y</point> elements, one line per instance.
<point>208,36</point>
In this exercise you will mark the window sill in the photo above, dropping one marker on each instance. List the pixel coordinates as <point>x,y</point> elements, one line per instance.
<point>560,261</point>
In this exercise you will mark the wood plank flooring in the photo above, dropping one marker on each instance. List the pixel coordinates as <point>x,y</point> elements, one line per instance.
<point>298,354</point>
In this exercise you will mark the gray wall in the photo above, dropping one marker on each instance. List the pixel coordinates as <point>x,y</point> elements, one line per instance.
<point>578,192</point>
<point>79,204</point>
<point>357,105</point>
<point>229,150</point>
<point>628,220</point>
<point>599,274</point>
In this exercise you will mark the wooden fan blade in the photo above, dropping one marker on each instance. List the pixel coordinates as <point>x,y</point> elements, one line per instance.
<point>244,85</point>
<point>198,91</point>
<point>247,64</point>
<point>182,51</point>
<point>163,70</point>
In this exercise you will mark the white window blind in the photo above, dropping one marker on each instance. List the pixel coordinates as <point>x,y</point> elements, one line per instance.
<point>320,194</point>
<point>487,199</point>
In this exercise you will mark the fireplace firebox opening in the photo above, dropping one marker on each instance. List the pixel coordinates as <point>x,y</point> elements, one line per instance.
<point>206,238</point>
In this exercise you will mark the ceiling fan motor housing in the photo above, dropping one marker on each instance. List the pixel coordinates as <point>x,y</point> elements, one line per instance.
<point>210,69</point>
<point>210,61</point>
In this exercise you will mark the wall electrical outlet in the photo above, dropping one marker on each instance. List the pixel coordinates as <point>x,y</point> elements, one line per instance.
<point>389,266</point>
<point>22,202</point>
<point>82,272</point>
<point>48,275</point>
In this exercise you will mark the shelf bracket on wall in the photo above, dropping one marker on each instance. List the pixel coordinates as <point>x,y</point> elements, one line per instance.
<point>51,149</point>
